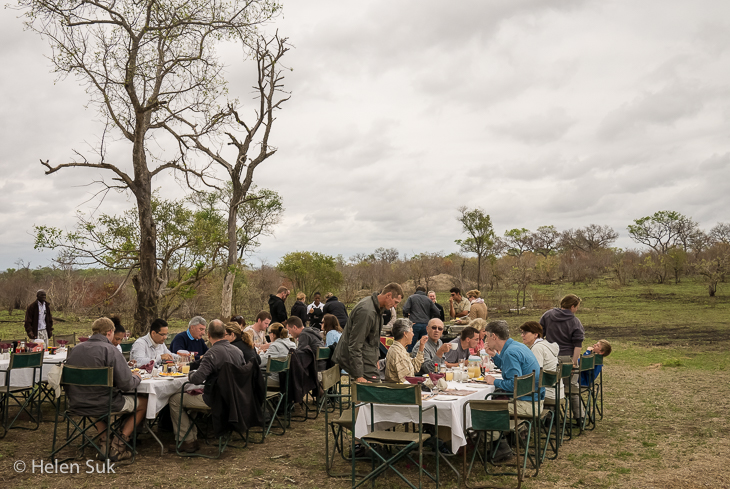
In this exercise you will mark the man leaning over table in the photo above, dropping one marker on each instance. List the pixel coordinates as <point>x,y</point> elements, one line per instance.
<point>435,349</point>
<point>220,353</point>
<point>99,352</point>
<point>468,339</point>
<point>358,350</point>
<point>151,347</point>
<point>515,360</point>
<point>191,340</point>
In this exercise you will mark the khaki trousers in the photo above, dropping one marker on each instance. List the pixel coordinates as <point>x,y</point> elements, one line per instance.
<point>195,402</point>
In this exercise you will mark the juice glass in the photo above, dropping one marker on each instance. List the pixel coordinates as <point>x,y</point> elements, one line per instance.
<point>186,368</point>
<point>449,375</point>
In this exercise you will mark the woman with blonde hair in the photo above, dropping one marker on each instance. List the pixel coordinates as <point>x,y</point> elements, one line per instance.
<point>280,346</point>
<point>299,309</point>
<point>243,341</point>
<point>478,306</point>
<point>480,325</point>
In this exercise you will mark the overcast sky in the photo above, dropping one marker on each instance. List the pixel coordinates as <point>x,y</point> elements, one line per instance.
<point>541,112</point>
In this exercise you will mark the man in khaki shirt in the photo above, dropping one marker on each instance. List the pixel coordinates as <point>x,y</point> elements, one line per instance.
<point>458,306</point>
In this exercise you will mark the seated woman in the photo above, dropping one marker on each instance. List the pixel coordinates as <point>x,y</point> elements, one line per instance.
<point>332,329</point>
<point>242,341</point>
<point>398,362</point>
<point>545,352</point>
<point>478,306</point>
<point>280,346</point>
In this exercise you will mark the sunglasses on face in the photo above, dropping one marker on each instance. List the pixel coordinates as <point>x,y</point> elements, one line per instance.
<point>437,328</point>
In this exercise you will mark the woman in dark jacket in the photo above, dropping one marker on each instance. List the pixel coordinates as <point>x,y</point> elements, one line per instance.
<point>242,341</point>
<point>299,309</point>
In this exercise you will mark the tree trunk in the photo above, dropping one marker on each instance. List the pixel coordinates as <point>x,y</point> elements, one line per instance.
<point>232,263</point>
<point>479,271</point>
<point>712,288</point>
<point>146,280</point>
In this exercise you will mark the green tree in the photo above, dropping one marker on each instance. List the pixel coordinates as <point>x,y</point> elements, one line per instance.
<point>190,244</point>
<point>519,240</point>
<point>478,226</point>
<point>148,67</point>
<point>663,230</point>
<point>310,271</point>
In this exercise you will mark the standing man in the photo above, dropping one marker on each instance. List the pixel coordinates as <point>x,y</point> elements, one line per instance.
<point>333,306</point>
<point>258,330</point>
<point>432,296</point>
<point>458,306</point>
<point>315,311</point>
<point>38,319</point>
<point>435,349</point>
<point>419,309</point>
<point>358,350</point>
<point>562,327</point>
<point>277,306</point>
<point>192,339</point>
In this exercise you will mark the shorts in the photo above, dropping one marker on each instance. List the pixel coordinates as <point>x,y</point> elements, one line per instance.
<point>128,404</point>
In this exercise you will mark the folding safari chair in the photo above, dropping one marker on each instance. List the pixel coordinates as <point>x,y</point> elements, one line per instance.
<point>126,348</point>
<point>598,385</point>
<point>276,400</point>
<point>564,405</point>
<point>24,396</point>
<point>587,363</point>
<point>70,339</point>
<point>491,416</point>
<point>101,378</point>
<point>404,442</point>
<point>546,422</point>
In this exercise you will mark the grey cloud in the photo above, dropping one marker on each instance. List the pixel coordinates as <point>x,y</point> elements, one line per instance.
<point>537,129</point>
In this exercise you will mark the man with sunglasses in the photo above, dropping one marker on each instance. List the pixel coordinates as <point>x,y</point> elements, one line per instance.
<point>152,345</point>
<point>434,350</point>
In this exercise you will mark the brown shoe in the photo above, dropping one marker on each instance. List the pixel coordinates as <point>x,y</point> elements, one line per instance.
<point>185,447</point>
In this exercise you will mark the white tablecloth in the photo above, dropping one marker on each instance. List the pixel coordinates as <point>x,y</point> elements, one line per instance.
<point>159,391</point>
<point>449,413</point>
<point>24,377</point>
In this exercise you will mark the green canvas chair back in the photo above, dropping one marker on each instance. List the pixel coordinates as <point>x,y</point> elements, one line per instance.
<point>489,415</point>
<point>26,360</point>
<point>126,346</point>
<point>548,378</point>
<point>398,394</point>
<point>587,362</point>
<point>598,359</point>
<point>331,377</point>
<point>277,365</point>
<point>88,376</point>
<point>566,370</point>
<point>324,353</point>
<point>524,385</point>
<point>71,338</point>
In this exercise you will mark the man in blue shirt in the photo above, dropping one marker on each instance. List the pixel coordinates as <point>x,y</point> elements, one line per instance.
<point>515,360</point>
<point>192,339</point>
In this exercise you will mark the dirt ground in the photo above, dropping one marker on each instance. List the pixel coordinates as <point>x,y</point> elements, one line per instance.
<point>663,428</point>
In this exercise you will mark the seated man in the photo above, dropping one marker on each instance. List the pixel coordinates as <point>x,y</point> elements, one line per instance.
<point>220,352</point>
<point>601,347</point>
<point>305,336</point>
<point>398,362</point>
<point>258,330</point>
<point>192,339</point>
<point>515,360</point>
<point>151,347</point>
<point>468,339</point>
<point>435,349</point>
<point>458,306</point>
<point>99,352</point>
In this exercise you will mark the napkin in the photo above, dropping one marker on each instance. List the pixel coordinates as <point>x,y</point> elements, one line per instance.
<point>428,383</point>
<point>442,385</point>
<point>148,368</point>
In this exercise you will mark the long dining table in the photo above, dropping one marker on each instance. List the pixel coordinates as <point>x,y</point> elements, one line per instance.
<point>450,412</point>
